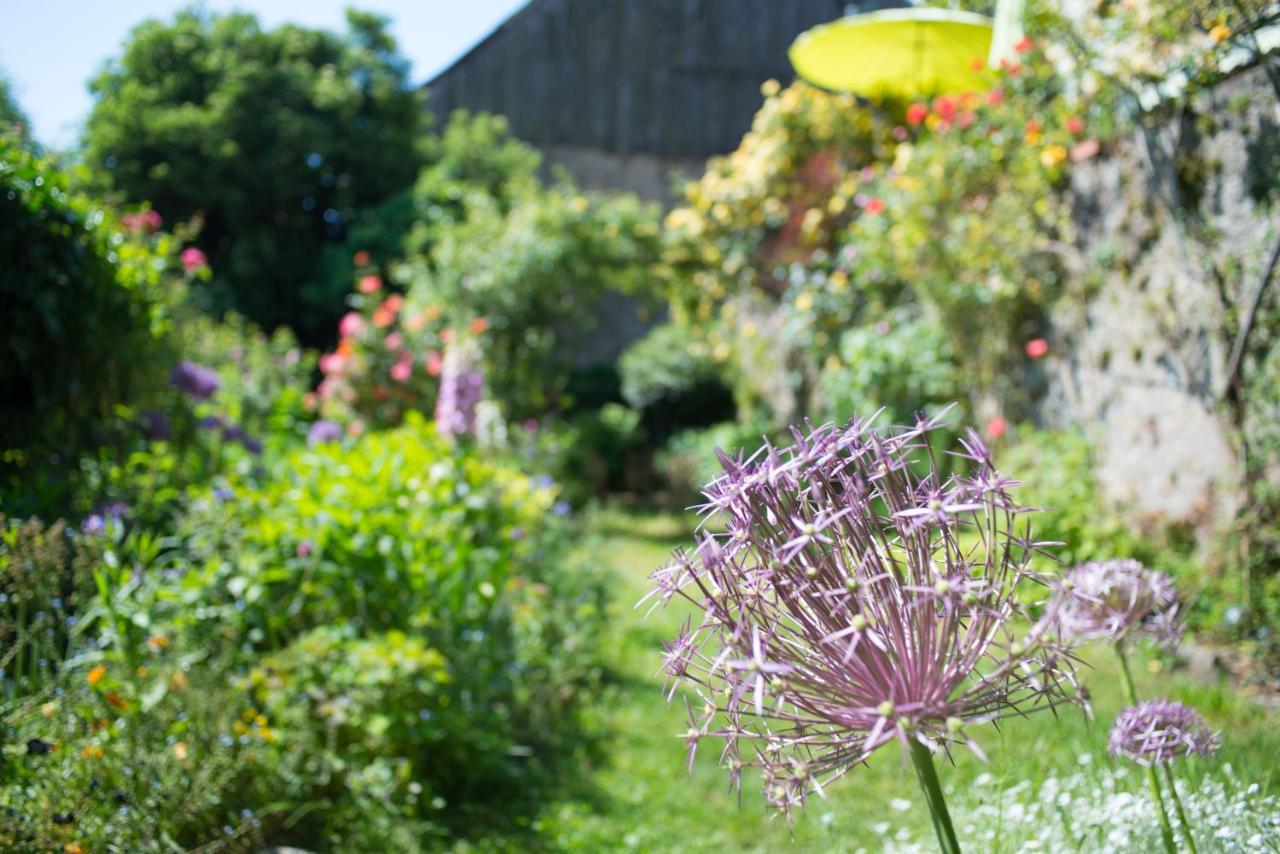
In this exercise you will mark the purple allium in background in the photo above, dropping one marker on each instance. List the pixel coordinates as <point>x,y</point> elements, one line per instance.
<point>95,524</point>
<point>196,381</point>
<point>461,387</point>
<point>235,433</point>
<point>853,601</point>
<point>324,431</point>
<point>1113,600</point>
<point>156,426</point>
<point>1158,731</point>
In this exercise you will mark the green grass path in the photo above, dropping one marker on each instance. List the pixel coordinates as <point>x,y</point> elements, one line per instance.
<point>641,797</point>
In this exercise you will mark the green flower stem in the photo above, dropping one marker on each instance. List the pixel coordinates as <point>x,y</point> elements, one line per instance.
<point>1177,806</point>
<point>922,758</point>
<point>1153,779</point>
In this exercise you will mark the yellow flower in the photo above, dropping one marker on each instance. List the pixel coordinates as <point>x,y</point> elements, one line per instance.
<point>579,204</point>
<point>93,751</point>
<point>48,709</point>
<point>72,848</point>
<point>770,88</point>
<point>178,680</point>
<point>1053,155</point>
<point>96,674</point>
<point>180,751</point>
<point>1220,33</point>
<point>157,642</point>
<point>804,302</point>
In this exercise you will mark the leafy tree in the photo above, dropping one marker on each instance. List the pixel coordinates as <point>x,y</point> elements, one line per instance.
<point>11,114</point>
<point>278,139</point>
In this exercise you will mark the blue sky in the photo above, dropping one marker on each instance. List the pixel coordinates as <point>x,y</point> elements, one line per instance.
<point>50,48</point>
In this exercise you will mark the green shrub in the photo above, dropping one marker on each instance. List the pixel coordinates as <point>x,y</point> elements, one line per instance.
<point>445,565</point>
<point>902,363</point>
<point>89,326</point>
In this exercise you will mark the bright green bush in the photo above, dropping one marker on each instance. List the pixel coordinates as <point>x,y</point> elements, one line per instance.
<point>450,568</point>
<point>902,364</point>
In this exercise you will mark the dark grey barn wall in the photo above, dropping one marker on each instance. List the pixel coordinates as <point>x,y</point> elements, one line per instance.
<point>672,78</point>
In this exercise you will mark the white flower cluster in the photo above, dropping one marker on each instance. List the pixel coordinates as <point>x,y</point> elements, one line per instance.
<point>1102,810</point>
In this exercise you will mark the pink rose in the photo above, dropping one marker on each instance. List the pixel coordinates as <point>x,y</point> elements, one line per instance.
<point>193,259</point>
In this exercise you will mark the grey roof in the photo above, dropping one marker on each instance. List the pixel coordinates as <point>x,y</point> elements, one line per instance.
<point>676,78</point>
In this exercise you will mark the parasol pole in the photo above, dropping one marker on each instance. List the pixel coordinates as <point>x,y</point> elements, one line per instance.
<point>1006,31</point>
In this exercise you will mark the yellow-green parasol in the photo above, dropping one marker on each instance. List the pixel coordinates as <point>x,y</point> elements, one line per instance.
<point>908,53</point>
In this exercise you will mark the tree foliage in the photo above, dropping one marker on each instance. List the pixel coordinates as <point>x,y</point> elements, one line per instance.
<point>277,139</point>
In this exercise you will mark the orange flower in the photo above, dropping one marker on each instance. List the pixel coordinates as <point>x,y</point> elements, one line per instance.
<point>1075,124</point>
<point>479,325</point>
<point>72,848</point>
<point>370,285</point>
<point>93,751</point>
<point>395,302</point>
<point>916,113</point>
<point>361,259</point>
<point>1023,45</point>
<point>383,317</point>
<point>116,700</point>
<point>1220,33</point>
<point>157,642</point>
<point>432,312</point>
<point>96,674</point>
<point>415,322</point>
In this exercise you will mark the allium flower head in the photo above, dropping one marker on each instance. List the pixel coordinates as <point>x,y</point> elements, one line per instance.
<point>1113,600</point>
<point>461,388</point>
<point>196,381</point>
<point>858,596</point>
<point>324,431</point>
<point>1158,731</point>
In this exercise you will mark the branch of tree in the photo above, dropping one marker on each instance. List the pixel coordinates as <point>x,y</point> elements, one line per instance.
<point>1236,363</point>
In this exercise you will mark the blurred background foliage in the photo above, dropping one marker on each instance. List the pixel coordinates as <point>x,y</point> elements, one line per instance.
<point>280,607</point>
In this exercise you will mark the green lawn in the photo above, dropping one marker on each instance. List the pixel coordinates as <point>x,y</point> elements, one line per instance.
<point>640,796</point>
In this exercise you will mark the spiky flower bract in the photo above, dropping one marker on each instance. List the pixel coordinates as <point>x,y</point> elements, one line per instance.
<point>1158,731</point>
<point>1116,600</point>
<point>858,595</point>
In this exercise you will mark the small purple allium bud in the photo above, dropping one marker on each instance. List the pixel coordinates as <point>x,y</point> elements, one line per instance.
<point>196,381</point>
<point>1114,600</point>
<point>324,431</point>
<point>858,596</point>
<point>1158,731</point>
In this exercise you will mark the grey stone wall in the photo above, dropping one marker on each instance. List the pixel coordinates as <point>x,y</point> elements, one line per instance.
<point>1145,350</point>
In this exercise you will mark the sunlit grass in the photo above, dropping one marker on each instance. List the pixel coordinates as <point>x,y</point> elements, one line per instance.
<point>641,797</point>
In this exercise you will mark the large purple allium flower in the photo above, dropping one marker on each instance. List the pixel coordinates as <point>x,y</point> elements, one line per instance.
<point>858,596</point>
<point>1158,731</point>
<point>1113,600</point>
<point>196,381</point>
<point>461,388</point>
<point>324,431</point>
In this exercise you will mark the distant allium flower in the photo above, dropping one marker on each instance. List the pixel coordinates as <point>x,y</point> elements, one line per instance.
<point>156,426</point>
<point>233,433</point>
<point>193,259</point>
<point>95,524</point>
<point>197,381</point>
<point>1113,600</point>
<point>1158,731</point>
<point>324,431</point>
<point>461,387</point>
<point>853,601</point>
